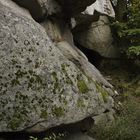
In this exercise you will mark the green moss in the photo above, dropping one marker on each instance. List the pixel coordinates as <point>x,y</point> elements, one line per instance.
<point>15,82</point>
<point>58,111</point>
<point>15,123</point>
<point>104,95</point>
<point>44,114</point>
<point>80,103</point>
<point>63,67</point>
<point>102,91</point>
<point>56,82</point>
<point>68,80</point>
<point>83,88</point>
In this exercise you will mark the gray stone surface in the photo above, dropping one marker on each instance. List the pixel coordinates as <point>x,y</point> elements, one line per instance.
<point>102,6</point>
<point>98,38</point>
<point>40,9</point>
<point>58,30</point>
<point>41,85</point>
<point>104,118</point>
<point>43,8</point>
<point>92,14</point>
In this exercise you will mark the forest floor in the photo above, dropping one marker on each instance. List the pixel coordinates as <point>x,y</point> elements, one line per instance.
<point>126,80</point>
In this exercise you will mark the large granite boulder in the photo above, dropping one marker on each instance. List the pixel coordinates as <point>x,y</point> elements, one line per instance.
<point>58,30</point>
<point>98,37</point>
<point>104,7</point>
<point>40,9</point>
<point>43,85</point>
<point>72,7</point>
<point>92,14</point>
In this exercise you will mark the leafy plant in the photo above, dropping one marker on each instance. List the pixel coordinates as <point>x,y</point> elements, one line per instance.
<point>128,32</point>
<point>53,136</point>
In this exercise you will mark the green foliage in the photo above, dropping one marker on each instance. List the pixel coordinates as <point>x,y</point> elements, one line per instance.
<point>126,126</point>
<point>53,136</point>
<point>83,88</point>
<point>134,13</point>
<point>128,32</point>
<point>133,51</point>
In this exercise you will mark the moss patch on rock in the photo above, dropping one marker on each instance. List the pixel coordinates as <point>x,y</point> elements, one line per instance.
<point>58,111</point>
<point>82,86</point>
<point>101,90</point>
<point>44,114</point>
<point>80,103</point>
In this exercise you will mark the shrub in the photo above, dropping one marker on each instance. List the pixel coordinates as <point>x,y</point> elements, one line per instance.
<point>128,32</point>
<point>126,126</point>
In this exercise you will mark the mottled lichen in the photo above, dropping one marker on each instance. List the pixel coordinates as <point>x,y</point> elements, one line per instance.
<point>15,122</point>
<point>58,111</point>
<point>63,68</point>
<point>80,103</point>
<point>101,90</point>
<point>56,82</point>
<point>82,86</point>
<point>104,95</point>
<point>44,114</point>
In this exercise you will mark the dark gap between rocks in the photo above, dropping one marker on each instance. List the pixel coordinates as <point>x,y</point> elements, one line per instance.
<point>81,126</point>
<point>94,57</point>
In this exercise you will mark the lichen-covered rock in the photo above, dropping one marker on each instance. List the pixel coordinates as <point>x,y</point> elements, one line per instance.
<point>40,86</point>
<point>104,118</point>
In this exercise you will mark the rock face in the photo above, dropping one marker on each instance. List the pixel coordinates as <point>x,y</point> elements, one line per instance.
<point>101,6</point>
<point>43,83</point>
<point>58,30</point>
<point>40,8</point>
<point>92,13</point>
<point>98,38</point>
<point>72,7</point>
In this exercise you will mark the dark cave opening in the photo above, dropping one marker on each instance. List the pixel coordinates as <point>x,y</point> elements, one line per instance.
<point>94,57</point>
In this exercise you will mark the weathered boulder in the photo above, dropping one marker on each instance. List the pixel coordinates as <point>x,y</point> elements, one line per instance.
<point>73,7</point>
<point>60,34</point>
<point>43,8</point>
<point>83,21</point>
<point>41,85</point>
<point>103,7</point>
<point>58,30</point>
<point>104,118</point>
<point>62,37</point>
<point>92,14</point>
<point>98,38</point>
<point>40,9</point>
